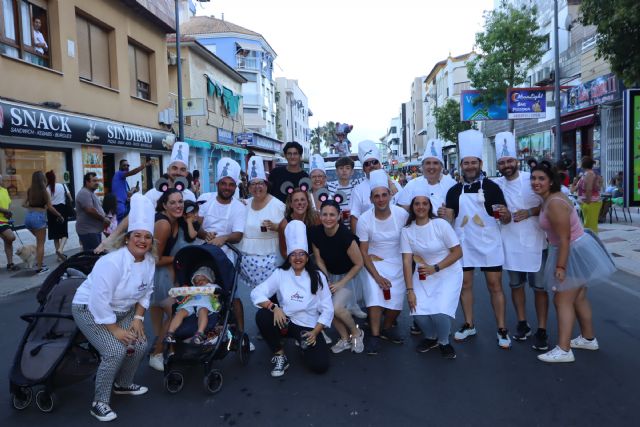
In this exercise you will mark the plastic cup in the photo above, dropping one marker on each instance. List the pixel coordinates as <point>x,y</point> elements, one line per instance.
<point>346,214</point>
<point>263,228</point>
<point>387,294</point>
<point>303,341</point>
<point>422,275</point>
<point>496,212</point>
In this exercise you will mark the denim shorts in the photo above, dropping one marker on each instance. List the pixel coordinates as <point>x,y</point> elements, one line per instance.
<point>35,220</point>
<point>517,279</point>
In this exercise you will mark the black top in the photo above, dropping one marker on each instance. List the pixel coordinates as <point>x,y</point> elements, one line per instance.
<point>333,250</point>
<point>279,176</point>
<point>173,239</point>
<point>492,195</point>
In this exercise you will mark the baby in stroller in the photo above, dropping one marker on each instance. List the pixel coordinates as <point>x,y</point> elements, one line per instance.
<point>200,299</point>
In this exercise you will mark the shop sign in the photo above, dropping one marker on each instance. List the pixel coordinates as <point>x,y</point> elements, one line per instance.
<point>527,103</point>
<point>244,139</point>
<point>225,136</point>
<point>594,92</point>
<point>92,162</point>
<point>471,109</point>
<point>24,121</point>
<point>632,147</point>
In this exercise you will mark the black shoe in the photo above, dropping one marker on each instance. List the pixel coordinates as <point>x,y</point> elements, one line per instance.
<point>447,351</point>
<point>540,340</point>
<point>426,345</point>
<point>391,335</point>
<point>523,330</point>
<point>102,411</point>
<point>415,330</point>
<point>372,345</point>
<point>133,389</point>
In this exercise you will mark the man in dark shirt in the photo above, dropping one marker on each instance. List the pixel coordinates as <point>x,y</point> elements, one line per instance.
<point>120,187</point>
<point>292,172</point>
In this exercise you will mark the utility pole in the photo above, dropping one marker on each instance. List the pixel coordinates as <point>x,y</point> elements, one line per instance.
<point>179,70</point>
<point>556,83</point>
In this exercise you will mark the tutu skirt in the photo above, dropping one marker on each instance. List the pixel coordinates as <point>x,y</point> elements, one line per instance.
<point>588,264</point>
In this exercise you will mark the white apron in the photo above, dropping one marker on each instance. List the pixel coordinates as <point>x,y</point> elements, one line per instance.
<point>481,245</point>
<point>386,245</point>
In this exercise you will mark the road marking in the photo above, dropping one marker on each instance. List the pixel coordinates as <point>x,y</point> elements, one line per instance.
<point>622,288</point>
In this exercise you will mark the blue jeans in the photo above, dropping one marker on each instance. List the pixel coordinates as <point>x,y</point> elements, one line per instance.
<point>90,241</point>
<point>435,326</point>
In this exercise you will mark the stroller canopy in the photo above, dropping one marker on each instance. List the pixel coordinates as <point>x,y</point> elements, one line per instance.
<point>188,259</point>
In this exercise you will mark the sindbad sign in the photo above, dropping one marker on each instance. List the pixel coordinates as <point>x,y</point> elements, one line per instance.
<point>527,103</point>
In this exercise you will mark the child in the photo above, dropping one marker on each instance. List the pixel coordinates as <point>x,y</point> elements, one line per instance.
<point>110,206</point>
<point>203,305</point>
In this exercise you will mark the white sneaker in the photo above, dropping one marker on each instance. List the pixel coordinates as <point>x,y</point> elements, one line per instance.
<point>585,344</point>
<point>557,355</point>
<point>357,343</point>
<point>341,346</point>
<point>503,339</point>
<point>464,332</point>
<point>156,361</point>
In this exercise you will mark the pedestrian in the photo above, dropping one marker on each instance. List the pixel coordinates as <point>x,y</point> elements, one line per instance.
<point>195,183</point>
<point>576,260</point>
<point>110,208</point>
<point>304,306</point>
<point>57,231</point>
<point>470,207</point>
<point>344,184</point>
<point>90,218</point>
<point>318,177</point>
<point>109,308</point>
<point>6,231</point>
<point>588,189</point>
<point>120,187</point>
<point>298,207</point>
<point>292,172</point>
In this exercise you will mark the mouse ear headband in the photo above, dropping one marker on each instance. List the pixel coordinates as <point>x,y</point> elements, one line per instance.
<point>323,195</point>
<point>180,184</point>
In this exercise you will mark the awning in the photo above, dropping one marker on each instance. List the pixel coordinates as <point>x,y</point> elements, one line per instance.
<point>422,131</point>
<point>223,147</point>
<point>578,119</point>
<point>245,45</point>
<point>194,143</point>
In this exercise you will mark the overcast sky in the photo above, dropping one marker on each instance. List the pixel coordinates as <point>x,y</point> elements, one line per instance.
<point>356,59</point>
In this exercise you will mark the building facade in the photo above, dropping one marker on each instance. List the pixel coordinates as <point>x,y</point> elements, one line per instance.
<point>293,114</point>
<point>416,135</point>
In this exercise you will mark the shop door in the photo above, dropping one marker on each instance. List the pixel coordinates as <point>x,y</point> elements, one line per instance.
<point>152,173</point>
<point>108,170</point>
<point>569,147</point>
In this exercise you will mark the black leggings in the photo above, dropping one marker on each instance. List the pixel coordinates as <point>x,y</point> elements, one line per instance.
<point>316,357</point>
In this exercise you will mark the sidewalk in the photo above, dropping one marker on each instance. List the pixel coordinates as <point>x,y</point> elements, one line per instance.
<point>622,240</point>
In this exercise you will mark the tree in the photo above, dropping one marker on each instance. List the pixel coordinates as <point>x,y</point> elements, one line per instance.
<point>448,123</point>
<point>618,41</point>
<point>509,46</point>
<point>316,139</point>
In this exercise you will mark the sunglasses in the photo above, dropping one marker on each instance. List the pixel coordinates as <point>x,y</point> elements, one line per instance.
<point>368,163</point>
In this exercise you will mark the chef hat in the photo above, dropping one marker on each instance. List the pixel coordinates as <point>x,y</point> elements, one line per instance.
<point>180,153</point>
<point>316,162</point>
<point>206,272</point>
<point>142,214</point>
<point>378,178</point>
<point>505,146</point>
<point>255,169</point>
<point>295,234</point>
<point>470,143</point>
<point>433,150</point>
<point>228,167</point>
<point>368,149</point>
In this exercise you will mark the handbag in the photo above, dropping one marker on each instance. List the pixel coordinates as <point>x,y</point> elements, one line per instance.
<point>69,204</point>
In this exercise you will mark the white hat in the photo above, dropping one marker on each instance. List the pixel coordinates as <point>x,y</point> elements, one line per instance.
<point>505,146</point>
<point>368,150</point>
<point>295,234</point>
<point>316,162</point>
<point>142,214</point>
<point>433,150</point>
<point>470,143</point>
<point>228,167</point>
<point>378,178</point>
<point>255,169</point>
<point>206,272</point>
<point>180,153</point>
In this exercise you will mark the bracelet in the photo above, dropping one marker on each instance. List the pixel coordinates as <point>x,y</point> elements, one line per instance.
<point>529,213</point>
<point>436,267</point>
<point>273,306</point>
<point>409,289</point>
<point>140,318</point>
<point>560,267</point>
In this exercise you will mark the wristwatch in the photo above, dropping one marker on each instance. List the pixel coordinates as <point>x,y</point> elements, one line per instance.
<point>273,307</point>
<point>140,318</point>
<point>436,267</point>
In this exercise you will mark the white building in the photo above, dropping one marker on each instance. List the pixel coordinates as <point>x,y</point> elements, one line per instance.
<point>392,142</point>
<point>294,113</point>
<point>415,131</point>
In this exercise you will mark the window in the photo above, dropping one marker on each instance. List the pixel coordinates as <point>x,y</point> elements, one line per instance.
<point>546,43</point>
<point>24,30</point>
<point>139,72</point>
<point>93,51</point>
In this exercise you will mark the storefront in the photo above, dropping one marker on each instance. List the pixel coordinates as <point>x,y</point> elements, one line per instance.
<point>538,145</point>
<point>34,138</point>
<point>268,148</point>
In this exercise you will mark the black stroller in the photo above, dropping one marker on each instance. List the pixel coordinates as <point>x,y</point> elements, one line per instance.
<point>224,334</point>
<point>53,353</point>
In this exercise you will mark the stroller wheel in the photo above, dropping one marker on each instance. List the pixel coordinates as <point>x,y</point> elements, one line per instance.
<point>22,399</point>
<point>173,382</point>
<point>243,349</point>
<point>45,401</point>
<point>213,381</point>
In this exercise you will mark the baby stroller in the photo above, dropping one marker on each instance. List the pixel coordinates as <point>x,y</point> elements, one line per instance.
<point>223,334</point>
<point>53,353</point>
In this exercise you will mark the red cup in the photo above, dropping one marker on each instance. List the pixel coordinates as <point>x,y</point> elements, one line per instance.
<point>346,214</point>
<point>496,212</point>
<point>387,294</point>
<point>422,276</point>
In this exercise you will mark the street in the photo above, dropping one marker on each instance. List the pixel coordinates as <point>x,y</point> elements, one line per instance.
<point>483,386</point>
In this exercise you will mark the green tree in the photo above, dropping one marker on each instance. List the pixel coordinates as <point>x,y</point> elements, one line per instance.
<point>448,123</point>
<point>618,42</point>
<point>316,139</point>
<point>508,47</point>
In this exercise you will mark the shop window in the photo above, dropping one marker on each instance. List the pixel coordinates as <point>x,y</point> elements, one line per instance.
<point>24,30</point>
<point>139,72</point>
<point>93,51</point>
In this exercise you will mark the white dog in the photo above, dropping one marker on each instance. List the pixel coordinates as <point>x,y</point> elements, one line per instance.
<point>27,254</point>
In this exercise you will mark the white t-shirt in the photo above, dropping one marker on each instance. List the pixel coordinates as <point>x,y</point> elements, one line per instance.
<point>57,198</point>
<point>437,193</point>
<point>433,239</point>
<point>223,219</point>
<point>254,241</point>
<point>361,198</point>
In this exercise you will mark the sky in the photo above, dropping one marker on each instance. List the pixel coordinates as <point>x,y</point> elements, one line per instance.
<point>356,59</point>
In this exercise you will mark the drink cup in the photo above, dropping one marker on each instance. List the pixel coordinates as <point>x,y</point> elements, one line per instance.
<point>263,228</point>
<point>131,349</point>
<point>496,212</point>
<point>422,275</point>
<point>284,330</point>
<point>387,294</point>
<point>346,214</point>
<point>303,341</point>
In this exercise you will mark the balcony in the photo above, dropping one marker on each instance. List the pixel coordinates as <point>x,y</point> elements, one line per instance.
<point>248,63</point>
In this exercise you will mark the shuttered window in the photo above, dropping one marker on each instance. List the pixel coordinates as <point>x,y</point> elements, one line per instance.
<point>139,73</point>
<point>93,51</point>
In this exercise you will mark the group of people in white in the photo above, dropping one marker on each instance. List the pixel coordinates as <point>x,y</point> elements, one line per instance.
<point>313,257</point>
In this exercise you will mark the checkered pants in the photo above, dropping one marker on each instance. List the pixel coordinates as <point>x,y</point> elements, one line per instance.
<point>115,365</point>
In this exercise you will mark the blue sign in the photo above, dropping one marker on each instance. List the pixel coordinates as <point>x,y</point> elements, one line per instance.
<point>527,103</point>
<point>225,136</point>
<point>244,139</point>
<point>471,109</point>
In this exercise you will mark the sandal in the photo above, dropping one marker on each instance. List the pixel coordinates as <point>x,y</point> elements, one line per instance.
<point>199,338</point>
<point>12,267</point>
<point>61,257</point>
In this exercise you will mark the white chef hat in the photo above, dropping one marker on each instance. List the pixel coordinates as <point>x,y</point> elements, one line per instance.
<point>470,143</point>
<point>316,162</point>
<point>295,234</point>
<point>378,178</point>
<point>180,153</point>
<point>228,167</point>
<point>368,149</point>
<point>255,169</point>
<point>505,146</point>
<point>433,150</point>
<point>142,214</point>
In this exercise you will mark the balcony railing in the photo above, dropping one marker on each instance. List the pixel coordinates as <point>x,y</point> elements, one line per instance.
<point>248,63</point>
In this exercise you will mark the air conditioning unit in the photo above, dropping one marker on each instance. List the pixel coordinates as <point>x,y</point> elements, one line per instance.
<point>172,58</point>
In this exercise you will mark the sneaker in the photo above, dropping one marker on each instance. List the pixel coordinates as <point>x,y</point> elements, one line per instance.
<point>12,267</point>
<point>584,344</point>
<point>447,351</point>
<point>170,339</point>
<point>503,338</point>
<point>391,335</point>
<point>357,342</point>
<point>523,331</point>
<point>133,389</point>
<point>42,270</point>
<point>156,361</point>
<point>251,346</point>
<point>414,329</point>
<point>540,340</point>
<point>372,347</point>
<point>464,332</point>
<point>426,345</point>
<point>557,355</point>
<point>198,339</point>
<point>102,411</point>
<point>326,337</point>
<point>341,346</point>
<point>282,364</point>
<point>357,312</point>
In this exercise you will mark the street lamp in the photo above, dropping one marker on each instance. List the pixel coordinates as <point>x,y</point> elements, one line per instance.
<point>556,82</point>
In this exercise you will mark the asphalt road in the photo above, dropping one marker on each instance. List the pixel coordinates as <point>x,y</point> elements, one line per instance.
<point>483,386</point>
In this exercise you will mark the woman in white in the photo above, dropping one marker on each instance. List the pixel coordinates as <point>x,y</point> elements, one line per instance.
<point>304,308</point>
<point>109,308</point>
<point>58,230</point>
<point>432,243</point>
<point>379,232</point>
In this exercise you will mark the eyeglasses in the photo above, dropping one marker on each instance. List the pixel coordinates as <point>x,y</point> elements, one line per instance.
<point>368,163</point>
<point>298,254</point>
